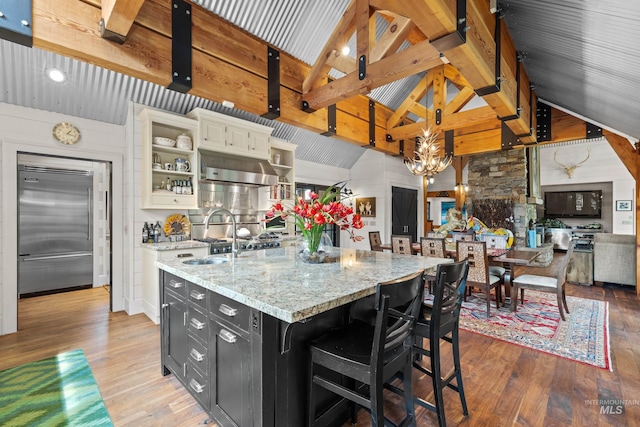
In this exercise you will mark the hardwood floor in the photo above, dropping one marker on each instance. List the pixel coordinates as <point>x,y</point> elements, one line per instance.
<point>505,384</point>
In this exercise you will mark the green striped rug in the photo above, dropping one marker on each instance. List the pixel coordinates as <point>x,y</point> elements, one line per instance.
<point>59,391</point>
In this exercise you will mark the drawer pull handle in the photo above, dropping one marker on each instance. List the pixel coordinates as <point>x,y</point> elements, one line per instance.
<point>187,255</point>
<point>197,295</point>
<point>196,323</point>
<point>228,311</point>
<point>174,284</point>
<point>196,386</point>
<point>227,336</point>
<point>196,355</point>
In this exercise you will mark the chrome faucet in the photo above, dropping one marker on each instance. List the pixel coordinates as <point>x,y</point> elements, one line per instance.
<point>235,249</point>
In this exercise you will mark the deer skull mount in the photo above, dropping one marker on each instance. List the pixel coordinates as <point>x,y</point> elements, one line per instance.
<point>570,169</point>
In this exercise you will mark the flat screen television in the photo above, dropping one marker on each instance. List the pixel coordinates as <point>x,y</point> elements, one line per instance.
<point>573,204</point>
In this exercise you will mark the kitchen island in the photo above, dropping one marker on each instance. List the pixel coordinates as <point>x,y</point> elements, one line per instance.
<point>235,333</point>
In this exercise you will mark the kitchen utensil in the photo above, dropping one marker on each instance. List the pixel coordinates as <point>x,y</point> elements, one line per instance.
<point>157,166</point>
<point>183,165</point>
<point>184,142</point>
<point>165,142</point>
<point>243,232</point>
<point>169,166</point>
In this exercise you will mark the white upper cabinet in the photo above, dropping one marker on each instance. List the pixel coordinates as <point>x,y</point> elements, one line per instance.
<point>226,134</point>
<point>163,182</point>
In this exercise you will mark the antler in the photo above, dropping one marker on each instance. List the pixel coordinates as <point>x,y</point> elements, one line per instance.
<point>569,169</point>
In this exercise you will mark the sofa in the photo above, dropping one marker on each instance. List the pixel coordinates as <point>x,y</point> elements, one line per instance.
<point>614,258</point>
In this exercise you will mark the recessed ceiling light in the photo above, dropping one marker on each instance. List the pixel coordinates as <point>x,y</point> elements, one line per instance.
<point>56,75</point>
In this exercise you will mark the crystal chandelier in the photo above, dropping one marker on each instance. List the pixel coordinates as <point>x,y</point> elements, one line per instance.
<point>427,162</point>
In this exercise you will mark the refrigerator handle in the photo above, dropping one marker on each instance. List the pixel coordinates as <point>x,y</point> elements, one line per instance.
<point>90,214</point>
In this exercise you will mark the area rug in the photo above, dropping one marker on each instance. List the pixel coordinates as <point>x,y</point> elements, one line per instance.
<point>59,391</point>
<point>583,337</point>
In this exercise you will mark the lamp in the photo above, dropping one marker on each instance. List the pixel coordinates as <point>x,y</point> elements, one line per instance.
<point>427,161</point>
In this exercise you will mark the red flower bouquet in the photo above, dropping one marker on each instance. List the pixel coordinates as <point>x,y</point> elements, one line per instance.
<point>312,216</point>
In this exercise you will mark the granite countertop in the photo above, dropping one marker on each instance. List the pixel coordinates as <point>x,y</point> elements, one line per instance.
<point>277,283</point>
<point>169,246</point>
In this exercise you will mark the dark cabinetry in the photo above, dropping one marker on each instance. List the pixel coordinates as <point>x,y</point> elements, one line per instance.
<point>174,331</point>
<point>212,345</point>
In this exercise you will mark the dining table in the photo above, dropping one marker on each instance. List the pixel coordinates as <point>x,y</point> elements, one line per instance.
<point>513,258</point>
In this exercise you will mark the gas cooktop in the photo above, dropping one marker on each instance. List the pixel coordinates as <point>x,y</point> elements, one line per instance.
<point>223,245</point>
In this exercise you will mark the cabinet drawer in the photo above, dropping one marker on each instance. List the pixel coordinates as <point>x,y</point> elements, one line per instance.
<point>198,355</point>
<point>232,311</point>
<point>183,254</point>
<point>173,200</point>
<point>197,323</point>
<point>198,386</point>
<point>175,284</point>
<point>197,295</point>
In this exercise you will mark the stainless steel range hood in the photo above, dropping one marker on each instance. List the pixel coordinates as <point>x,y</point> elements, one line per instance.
<point>241,170</point>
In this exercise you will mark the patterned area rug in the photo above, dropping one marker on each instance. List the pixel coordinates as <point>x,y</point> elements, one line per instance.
<point>59,391</point>
<point>583,337</point>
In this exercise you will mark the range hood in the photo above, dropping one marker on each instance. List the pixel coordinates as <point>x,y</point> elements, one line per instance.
<point>241,170</point>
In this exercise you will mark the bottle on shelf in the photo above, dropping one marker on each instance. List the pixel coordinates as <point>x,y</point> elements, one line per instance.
<point>145,232</point>
<point>156,232</point>
<point>169,184</point>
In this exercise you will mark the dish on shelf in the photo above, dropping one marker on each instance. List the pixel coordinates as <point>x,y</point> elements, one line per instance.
<point>165,142</point>
<point>177,224</point>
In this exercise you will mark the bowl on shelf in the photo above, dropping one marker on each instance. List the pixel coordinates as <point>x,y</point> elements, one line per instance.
<point>165,142</point>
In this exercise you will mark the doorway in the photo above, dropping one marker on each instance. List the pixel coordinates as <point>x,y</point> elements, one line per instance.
<point>70,231</point>
<point>404,212</point>
<point>303,190</point>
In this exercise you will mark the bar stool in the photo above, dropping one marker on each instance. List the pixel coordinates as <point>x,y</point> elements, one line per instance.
<point>368,351</point>
<point>440,321</point>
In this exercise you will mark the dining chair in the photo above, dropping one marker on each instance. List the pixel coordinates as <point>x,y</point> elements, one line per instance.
<point>371,349</point>
<point>375,241</point>
<point>468,236</point>
<point>432,247</point>
<point>549,284</point>
<point>401,244</point>
<point>478,276</point>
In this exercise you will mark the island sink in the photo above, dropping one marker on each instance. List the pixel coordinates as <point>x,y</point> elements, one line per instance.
<point>203,261</point>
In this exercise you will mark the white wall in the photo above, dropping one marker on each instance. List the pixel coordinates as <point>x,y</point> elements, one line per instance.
<point>603,165</point>
<point>30,131</point>
<point>139,216</point>
<point>373,175</point>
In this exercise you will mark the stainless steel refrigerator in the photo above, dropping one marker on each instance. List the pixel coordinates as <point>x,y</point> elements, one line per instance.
<point>55,229</point>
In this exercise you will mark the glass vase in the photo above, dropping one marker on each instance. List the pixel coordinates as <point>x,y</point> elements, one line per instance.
<point>322,255</point>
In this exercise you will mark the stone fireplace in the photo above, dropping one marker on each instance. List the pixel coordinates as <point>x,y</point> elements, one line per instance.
<point>500,179</point>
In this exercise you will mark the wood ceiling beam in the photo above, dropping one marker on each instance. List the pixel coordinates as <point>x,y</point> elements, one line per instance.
<point>414,97</point>
<point>229,68</point>
<point>482,118</point>
<point>475,59</point>
<point>392,38</point>
<point>408,62</point>
<point>340,36</point>
<point>118,16</point>
<point>439,96</point>
<point>625,151</point>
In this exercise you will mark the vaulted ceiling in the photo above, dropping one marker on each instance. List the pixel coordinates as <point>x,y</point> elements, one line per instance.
<point>578,55</point>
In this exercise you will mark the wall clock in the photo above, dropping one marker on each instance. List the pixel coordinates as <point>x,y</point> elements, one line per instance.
<point>66,133</point>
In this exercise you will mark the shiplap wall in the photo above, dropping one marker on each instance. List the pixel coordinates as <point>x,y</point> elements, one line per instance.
<point>28,130</point>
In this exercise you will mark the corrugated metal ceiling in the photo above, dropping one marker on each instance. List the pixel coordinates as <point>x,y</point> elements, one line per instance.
<point>581,54</point>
